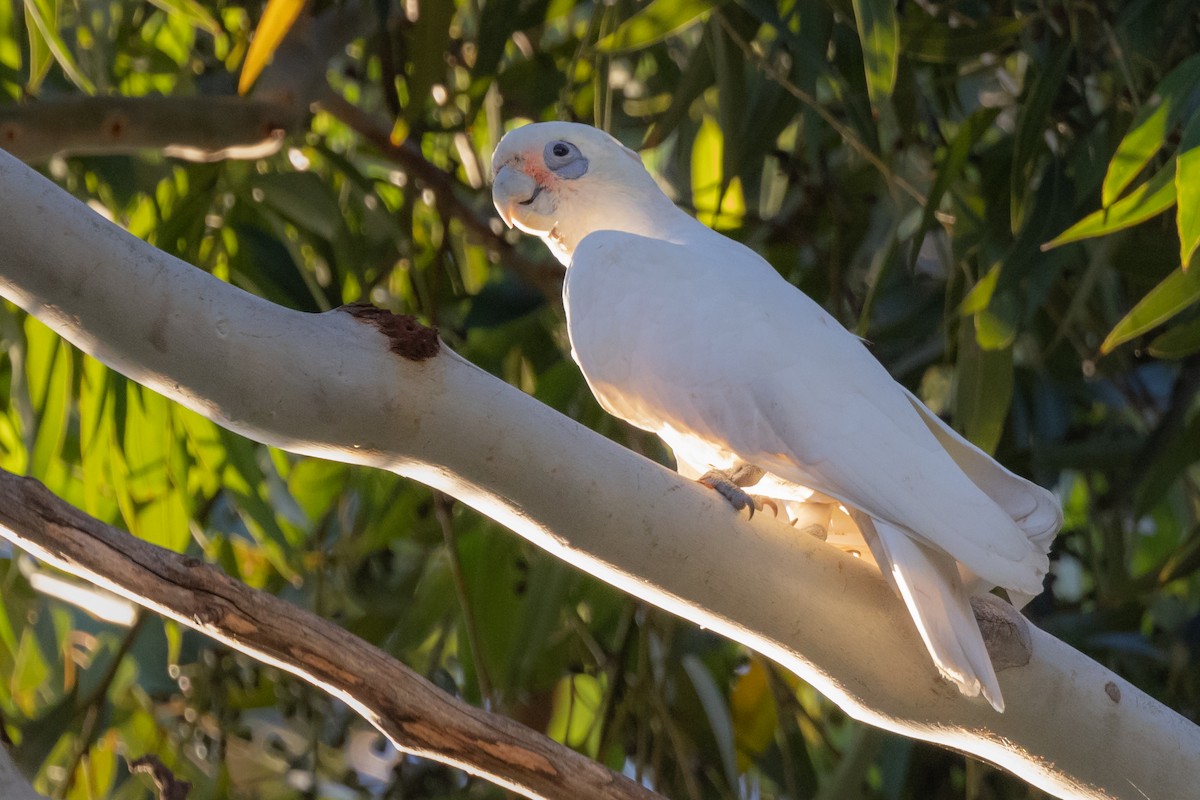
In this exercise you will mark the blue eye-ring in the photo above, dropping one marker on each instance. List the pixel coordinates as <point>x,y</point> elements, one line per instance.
<point>565,159</point>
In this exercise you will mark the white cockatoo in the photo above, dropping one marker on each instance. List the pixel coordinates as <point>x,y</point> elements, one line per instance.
<point>759,392</point>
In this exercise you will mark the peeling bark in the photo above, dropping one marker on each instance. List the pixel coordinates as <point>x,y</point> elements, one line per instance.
<point>414,714</point>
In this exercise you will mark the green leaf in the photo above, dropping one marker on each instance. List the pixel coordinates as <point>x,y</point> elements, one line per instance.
<point>303,199</point>
<point>1177,291</point>
<point>1032,119</point>
<point>190,10</point>
<point>50,375</point>
<point>1184,561</point>
<point>879,33</point>
<point>731,106</point>
<point>96,441</point>
<point>1187,189</point>
<point>578,701</point>
<point>42,19</point>
<point>655,22</point>
<point>930,39</point>
<point>1174,97</point>
<point>717,711</point>
<point>984,389</point>
<point>718,199</point>
<point>697,76</point>
<point>980,295</point>
<point>427,42</point>
<point>968,134</point>
<point>1179,342</point>
<point>497,22</point>
<point>40,736</point>
<point>1152,197</point>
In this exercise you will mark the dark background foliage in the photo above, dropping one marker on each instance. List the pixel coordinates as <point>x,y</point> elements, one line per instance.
<point>903,165</point>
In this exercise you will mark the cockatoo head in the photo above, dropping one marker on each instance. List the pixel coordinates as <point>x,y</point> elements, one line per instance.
<point>562,181</point>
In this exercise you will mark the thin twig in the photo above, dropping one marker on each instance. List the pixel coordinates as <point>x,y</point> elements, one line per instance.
<point>442,506</point>
<point>92,703</point>
<point>544,276</point>
<point>848,135</point>
<point>169,787</point>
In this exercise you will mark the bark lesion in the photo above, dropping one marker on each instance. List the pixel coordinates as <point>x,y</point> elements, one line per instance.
<point>407,337</point>
<point>1005,632</point>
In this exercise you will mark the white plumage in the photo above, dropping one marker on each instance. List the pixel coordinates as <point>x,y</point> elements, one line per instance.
<point>686,333</point>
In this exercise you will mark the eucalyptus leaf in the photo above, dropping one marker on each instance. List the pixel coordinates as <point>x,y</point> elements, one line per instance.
<point>1152,197</point>
<point>879,33</point>
<point>1173,100</point>
<point>655,22</point>
<point>1187,190</point>
<point>1178,291</point>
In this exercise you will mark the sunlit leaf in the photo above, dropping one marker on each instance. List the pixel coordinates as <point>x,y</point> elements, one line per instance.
<point>980,295</point>
<point>96,439</point>
<point>196,15</point>
<point>10,49</point>
<point>752,710</point>
<point>879,33</point>
<point>655,22</point>
<point>1176,96</point>
<point>1177,291</point>
<point>95,775</point>
<point>718,202</point>
<point>575,721</point>
<point>277,20</point>
<point>1152,197</point>
<point>29,672</point>
<point>49,372</point>
<point>1187,187</point>
<point>41,17</point>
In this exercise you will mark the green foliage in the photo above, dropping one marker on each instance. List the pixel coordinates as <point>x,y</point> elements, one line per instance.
<point>903,164</point>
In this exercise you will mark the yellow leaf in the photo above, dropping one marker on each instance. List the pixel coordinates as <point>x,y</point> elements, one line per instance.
<point>276,21</point>
<point>752,709</point>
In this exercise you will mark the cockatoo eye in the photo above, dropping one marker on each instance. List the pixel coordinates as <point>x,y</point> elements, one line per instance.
<point>565,160</point>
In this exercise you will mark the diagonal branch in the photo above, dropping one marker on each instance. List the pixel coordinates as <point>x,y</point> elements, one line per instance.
<point>191,128</point>
<point>415,715</point>
<point>13,785</point>
<point>203,128</point>
<point>327,385</point>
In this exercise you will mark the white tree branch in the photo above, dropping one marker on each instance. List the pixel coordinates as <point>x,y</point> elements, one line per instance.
<point>327,385</point>
<point>13,785</point>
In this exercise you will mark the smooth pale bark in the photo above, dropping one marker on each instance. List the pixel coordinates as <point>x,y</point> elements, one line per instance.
<point>13,785</point>
<point>327,385</point>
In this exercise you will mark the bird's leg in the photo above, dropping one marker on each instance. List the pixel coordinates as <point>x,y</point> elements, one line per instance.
<point>730,483</point>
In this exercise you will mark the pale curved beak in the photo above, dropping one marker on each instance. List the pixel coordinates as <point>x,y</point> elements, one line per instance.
<point>510,189</point>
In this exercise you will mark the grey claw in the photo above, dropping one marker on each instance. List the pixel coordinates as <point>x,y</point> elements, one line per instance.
<point>738,498</point>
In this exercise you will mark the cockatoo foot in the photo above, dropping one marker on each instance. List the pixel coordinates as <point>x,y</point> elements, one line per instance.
<point>729,483</point>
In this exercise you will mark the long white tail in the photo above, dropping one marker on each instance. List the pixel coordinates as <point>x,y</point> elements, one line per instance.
<point>931,587</point>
